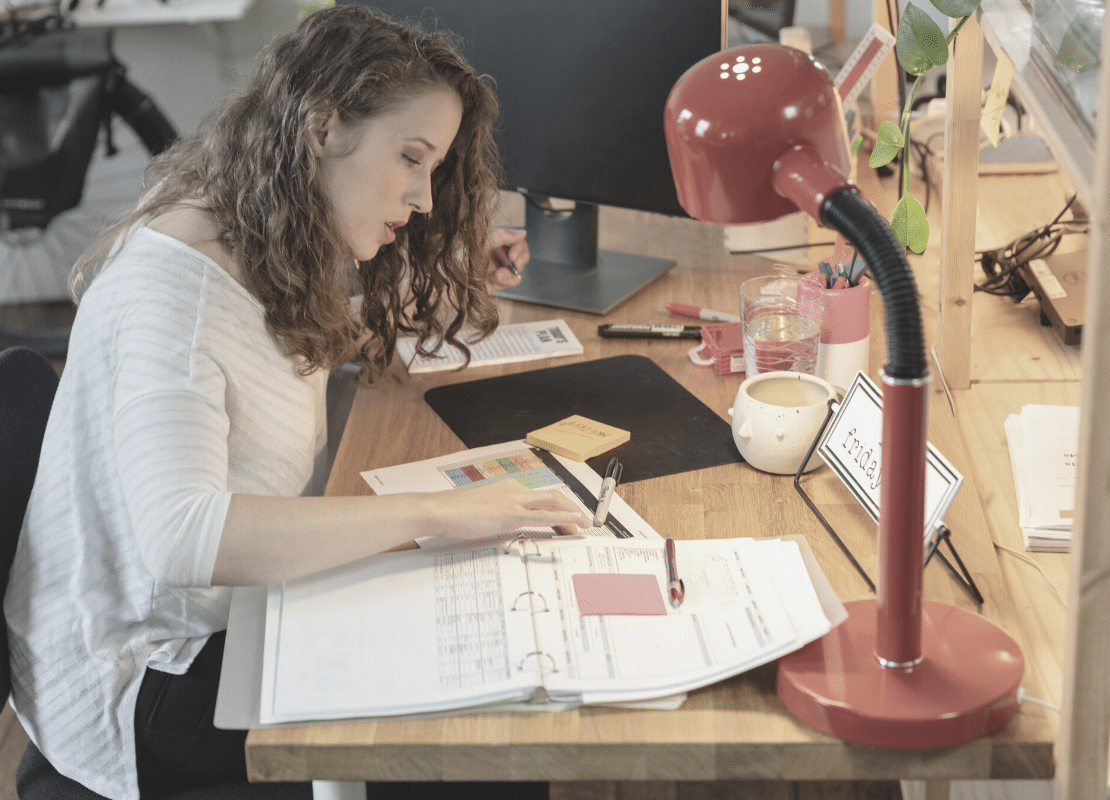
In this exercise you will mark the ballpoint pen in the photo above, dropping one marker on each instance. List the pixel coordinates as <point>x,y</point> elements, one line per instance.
<point>608,489</point>
<point>502,256</point>
<point>694,312</point>
<point>675,587</point>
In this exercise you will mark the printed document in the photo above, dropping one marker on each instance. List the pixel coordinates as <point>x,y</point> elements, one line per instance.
<point>1044,450</point>
<point>534,467</point>
<point>524,341</point>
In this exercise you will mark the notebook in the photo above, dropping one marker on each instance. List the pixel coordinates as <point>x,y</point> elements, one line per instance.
<point>672,431</point>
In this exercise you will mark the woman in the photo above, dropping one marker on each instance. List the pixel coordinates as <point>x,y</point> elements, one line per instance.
<point>189,424</point>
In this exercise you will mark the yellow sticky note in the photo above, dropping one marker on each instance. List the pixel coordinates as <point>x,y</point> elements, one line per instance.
<point>996,98</point>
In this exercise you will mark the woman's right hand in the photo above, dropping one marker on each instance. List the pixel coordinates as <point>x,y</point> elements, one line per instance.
<point>493,508</point>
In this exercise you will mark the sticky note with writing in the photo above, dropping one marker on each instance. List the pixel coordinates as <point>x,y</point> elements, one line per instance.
<point>577,437</point>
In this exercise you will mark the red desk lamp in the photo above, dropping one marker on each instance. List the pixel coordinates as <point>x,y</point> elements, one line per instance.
<point>754,133</point>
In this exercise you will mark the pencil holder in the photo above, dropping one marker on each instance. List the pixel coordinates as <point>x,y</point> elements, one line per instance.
<point>845,344</point>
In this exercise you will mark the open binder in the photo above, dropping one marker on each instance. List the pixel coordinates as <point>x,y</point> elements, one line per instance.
<point>496,624</point>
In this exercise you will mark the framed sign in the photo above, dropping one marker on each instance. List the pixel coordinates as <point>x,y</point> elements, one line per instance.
<point>851,446</point>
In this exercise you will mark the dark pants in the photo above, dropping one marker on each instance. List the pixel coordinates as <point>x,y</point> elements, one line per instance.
<point>178,748</point>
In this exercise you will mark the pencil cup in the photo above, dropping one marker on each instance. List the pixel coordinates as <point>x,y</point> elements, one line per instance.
<point>776,417</point>
<point>845,341</point>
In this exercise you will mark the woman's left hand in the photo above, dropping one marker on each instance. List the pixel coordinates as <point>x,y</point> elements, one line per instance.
<point>514,248</point>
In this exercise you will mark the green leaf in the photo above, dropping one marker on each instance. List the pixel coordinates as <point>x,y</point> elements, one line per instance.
<point>956,8</point>
<point>910,225</point>
<point>888,141</point>
<point>921,44</point>
<point>857,142</point>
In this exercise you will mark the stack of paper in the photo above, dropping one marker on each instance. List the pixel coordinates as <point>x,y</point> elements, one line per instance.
<point>1044,445</point>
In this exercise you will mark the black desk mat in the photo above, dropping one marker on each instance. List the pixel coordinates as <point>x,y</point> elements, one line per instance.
<point>671,430</point>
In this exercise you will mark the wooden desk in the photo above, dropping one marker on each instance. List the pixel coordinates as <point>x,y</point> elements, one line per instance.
<point>737,729</point>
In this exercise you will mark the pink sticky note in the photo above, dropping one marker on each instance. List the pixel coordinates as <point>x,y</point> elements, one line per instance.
<point>618,594</point>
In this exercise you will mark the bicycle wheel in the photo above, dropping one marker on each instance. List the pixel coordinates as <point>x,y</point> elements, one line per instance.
<point>35,309</point>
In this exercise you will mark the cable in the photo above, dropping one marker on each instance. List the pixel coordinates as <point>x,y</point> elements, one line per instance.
<point>1040,569</point>
<point>1022,697</point>
<point>1002,266</point>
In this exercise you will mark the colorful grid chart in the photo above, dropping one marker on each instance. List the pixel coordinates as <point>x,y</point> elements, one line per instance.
<point>525,466</point>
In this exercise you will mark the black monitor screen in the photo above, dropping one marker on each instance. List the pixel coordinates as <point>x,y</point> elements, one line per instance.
<point>582,86</point>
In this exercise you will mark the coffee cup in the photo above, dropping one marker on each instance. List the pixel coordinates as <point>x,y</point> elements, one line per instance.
<point>775,418</point>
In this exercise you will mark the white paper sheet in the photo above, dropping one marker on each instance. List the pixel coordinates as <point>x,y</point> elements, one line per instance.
<point>523,341</point>
<point>1044,442</point>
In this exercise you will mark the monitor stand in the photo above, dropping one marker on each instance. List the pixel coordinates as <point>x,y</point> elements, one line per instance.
<point>567,270</point>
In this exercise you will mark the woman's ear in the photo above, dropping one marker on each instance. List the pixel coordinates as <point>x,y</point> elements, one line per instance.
<point>323,132</point>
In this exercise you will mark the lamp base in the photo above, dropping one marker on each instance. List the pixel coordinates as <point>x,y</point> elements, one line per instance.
<point>965,686</point>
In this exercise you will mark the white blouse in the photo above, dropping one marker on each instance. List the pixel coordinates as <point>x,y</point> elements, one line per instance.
<point>174,395</point>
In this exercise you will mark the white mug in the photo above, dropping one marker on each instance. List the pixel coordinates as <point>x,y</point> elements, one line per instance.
<point>775,418</point>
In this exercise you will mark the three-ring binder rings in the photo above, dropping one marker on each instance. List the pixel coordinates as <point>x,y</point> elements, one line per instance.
<point>497,624</point>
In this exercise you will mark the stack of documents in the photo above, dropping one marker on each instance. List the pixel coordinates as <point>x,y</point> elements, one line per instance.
<point>1044,445</point>
<point>532,623</point>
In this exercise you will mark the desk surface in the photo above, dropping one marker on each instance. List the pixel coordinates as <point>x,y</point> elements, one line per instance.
<point>737,729</point>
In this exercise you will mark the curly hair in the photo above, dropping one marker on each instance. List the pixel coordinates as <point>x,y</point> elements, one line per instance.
<point>253,168</point>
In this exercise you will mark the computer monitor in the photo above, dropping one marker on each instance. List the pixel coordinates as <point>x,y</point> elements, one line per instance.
<point>582,86</point>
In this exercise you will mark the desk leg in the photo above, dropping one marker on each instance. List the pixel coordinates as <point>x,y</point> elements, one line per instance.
<point>338,790</point>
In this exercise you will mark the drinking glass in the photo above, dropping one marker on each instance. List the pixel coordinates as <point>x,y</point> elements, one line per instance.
<point>781,329</point>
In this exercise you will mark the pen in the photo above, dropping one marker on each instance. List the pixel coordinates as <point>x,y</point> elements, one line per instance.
<point>608,489</point>
<point>634,331</point>
<point>502,256</point>
<point>695,312</point>
<point>675,587</point>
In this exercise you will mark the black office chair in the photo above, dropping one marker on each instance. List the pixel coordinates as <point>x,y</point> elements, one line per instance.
<point>27,386</point>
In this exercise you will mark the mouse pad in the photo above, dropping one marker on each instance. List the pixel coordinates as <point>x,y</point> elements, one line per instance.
<point>671,430</point>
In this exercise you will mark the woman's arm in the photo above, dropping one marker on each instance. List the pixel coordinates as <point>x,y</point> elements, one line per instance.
<point>270,539</point>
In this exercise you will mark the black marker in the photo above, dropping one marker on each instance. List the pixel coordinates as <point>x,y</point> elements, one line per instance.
<point>633,331</point>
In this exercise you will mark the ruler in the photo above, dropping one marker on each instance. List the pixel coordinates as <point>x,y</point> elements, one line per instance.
<point>861,65</point>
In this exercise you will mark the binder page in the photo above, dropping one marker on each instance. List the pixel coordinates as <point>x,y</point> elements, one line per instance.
<point>732,619</point>
<point>534,467</point>
<point>399,633</point>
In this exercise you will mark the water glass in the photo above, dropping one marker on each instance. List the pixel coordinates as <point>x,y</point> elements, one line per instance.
<point>781,329</point>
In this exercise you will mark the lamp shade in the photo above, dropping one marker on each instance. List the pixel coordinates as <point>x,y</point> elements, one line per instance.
<point>731,118</point>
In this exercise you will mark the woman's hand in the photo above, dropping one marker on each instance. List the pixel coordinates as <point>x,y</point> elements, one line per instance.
<point>514,249</point>
<point>505,505</point>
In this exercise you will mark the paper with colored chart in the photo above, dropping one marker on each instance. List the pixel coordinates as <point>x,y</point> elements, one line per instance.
<point>533,467</point>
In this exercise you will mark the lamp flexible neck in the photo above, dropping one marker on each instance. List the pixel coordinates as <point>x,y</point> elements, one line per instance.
<point>846,212</point>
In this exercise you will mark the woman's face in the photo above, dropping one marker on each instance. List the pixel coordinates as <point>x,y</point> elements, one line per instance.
<point>375,175</point>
